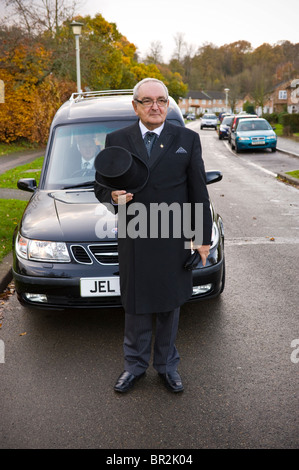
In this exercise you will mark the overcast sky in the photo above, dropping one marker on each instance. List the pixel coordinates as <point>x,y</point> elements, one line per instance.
<point>217,21</point>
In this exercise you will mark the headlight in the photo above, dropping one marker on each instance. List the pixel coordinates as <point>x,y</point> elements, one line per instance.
<point>215,235</point>
<point>38,250</point>
<point>243,138</point>
<point>271,137</point>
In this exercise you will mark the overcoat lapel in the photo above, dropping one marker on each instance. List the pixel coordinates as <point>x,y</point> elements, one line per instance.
<point>137,143</point>
<point>161,145</point>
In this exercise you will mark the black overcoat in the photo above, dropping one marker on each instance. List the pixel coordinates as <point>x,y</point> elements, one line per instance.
<point>152,276</point>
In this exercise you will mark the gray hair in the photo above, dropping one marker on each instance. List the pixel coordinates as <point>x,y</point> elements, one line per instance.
<point>145,80</point>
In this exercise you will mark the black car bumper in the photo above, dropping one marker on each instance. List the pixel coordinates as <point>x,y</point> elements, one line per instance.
<point>63,293</point>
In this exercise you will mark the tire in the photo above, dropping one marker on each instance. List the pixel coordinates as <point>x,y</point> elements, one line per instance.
<point>273,149</point>
<point>201,127</point>
<point>237,149</point>
<point>232,145</point>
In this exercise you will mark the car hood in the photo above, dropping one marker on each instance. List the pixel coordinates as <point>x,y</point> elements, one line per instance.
<point>267,133</point>
<point>67,215</point>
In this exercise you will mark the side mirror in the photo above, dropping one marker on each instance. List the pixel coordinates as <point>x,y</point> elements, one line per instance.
<point>213,176</point>
<point>27,184</point>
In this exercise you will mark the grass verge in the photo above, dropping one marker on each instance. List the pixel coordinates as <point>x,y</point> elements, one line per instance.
<point>6,149</point>
<point>294,174</point>
<point>11,211</point>
<point>10,178</point>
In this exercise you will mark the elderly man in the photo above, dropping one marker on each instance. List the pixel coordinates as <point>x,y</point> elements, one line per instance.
<point>152,275</point>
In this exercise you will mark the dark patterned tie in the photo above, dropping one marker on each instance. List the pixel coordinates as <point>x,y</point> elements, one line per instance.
<point>149,140</point>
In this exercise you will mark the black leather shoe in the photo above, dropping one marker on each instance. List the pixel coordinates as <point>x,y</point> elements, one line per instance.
<point>125,381</point>
<point>173,381</point>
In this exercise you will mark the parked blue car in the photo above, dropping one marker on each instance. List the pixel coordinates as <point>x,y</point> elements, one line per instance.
<point>224,127</point>
<point>252,134</point>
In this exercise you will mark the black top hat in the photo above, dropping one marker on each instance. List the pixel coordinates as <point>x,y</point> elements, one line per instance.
<point>117,168</point>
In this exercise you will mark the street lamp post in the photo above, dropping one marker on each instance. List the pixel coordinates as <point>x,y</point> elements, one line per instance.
<point>226,97</point>
<point>76,26</point>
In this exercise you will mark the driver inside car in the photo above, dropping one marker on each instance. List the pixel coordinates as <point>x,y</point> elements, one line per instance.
<point>88,151</point>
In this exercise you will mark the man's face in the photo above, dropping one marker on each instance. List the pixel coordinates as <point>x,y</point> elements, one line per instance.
<point>151,116</point>
<point>87,147</point>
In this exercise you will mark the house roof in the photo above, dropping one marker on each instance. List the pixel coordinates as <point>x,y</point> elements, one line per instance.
<point>205,95</point>
<point>200,95</point>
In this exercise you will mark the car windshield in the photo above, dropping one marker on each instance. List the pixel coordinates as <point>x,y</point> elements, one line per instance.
<point>210,116</point>
<point>73,150</point>
<point>253,125</point>
<point>227,120</point>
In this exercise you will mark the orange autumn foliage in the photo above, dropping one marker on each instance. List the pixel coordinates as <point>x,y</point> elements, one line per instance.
<point>32,95</point>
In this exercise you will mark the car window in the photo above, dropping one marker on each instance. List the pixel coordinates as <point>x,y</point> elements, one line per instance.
<point>210,116</point>
<point>227,121</point>
<point>253,126</point>
<point>74,148</point>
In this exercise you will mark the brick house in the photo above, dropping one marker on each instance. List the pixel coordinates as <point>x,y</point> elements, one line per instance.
<point>199,102</point>
<point>284,96</point>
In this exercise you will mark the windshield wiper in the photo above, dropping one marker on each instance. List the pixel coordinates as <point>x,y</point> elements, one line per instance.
<point>80,185</point>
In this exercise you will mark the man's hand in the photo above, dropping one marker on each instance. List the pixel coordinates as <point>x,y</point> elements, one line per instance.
<point>121,197</point>
<point>204,251</point>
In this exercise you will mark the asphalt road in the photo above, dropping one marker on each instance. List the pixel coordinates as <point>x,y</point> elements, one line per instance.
<point>239,368</point>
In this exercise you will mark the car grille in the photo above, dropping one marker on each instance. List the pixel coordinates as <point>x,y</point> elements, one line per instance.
<point>80,254</point>
<point>105,253</point>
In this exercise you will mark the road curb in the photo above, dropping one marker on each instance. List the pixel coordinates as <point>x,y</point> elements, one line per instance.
<point>288,178</point>
<point>287,152</point>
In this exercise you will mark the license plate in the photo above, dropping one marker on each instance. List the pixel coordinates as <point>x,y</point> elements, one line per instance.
<point>258,142</point>
<point>99,286</point>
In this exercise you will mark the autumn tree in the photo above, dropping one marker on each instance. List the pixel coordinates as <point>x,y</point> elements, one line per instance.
<point>32,95</point>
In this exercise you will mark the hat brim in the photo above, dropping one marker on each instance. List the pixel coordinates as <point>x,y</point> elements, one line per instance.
<point>143,176</point>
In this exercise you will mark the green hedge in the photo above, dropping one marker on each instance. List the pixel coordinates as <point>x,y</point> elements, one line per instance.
<point>291,122</point>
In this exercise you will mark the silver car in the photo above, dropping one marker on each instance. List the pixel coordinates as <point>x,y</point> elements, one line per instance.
<point>209,120</point>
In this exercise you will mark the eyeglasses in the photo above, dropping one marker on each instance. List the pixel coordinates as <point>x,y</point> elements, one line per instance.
<point>148,102</point>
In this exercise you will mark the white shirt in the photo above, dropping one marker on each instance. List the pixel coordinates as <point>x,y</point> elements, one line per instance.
<point>144,129</point>
<point>90,163</point>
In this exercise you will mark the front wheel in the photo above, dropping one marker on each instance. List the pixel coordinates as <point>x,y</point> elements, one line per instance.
<point>273,149</point>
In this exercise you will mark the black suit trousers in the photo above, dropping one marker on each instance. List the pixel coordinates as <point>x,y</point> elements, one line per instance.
<point>138,341</point>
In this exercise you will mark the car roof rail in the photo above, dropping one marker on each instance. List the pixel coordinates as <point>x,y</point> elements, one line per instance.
<point>83,95</point>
